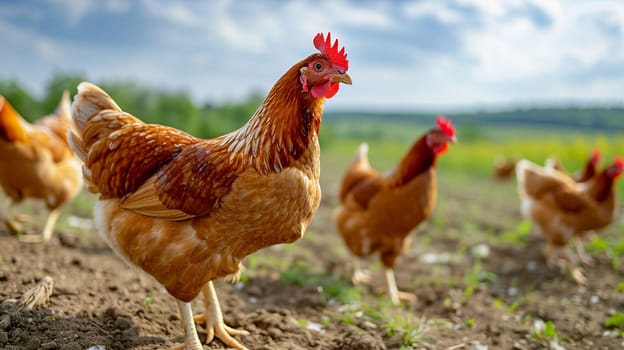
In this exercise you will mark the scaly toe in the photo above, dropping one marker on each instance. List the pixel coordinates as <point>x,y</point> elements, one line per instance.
<point>577,274</point>
<point>200,319</point>
<point>408,297</point>
<point>31,238</point>
<point>234,331</point>
<point>222,332</point>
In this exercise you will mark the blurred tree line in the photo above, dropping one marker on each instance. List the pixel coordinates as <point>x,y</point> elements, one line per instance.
<point>176,108</point>
<point>167,107</point>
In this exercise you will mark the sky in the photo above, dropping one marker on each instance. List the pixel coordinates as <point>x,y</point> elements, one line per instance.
<point>438,54</point>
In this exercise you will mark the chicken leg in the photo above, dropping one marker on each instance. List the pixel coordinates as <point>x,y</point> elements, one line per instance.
<point>50,223</point>
<point>5,215</point>
<point>191,340</point>
<point>552,252</point>
<point>393,292</point>
<point>213,317</point>
<point>580,252</point>
<point>360,276</point>
<point>47,229</point>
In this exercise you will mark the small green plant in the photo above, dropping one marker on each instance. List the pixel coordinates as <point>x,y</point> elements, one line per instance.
<point>498,303</point>
<point>411,330</point>
<point>620,287</point>
<point>471,322</point>
<point>547,331</point>
<point>518,236</point>
<point>149,299</point>
<point>615,321</point>
<point>513,307</point>
<point>300,273</point>
<point>478,276</point>
<point>597,244</point>
<point>613,248</point>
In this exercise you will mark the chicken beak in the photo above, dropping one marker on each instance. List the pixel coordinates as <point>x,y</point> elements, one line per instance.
<point>340,78</point>
<point>453,139</point>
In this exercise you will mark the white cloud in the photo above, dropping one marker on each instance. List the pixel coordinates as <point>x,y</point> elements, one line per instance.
<point>174,12</point>
<point>437,9</point>
<point>513,50</point>
<point>74,10</point>
<point>28,42</point>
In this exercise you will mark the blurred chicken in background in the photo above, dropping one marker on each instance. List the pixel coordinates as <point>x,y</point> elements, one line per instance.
<point>36,162</point>
<point>564,210</point>
<point>504,168</point>
<point>378,212</point>
<point>587,173</point>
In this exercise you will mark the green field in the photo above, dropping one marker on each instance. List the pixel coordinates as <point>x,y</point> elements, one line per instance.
<point>477,145</point>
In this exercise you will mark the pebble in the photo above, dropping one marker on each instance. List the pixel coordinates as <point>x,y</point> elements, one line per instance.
<point>274,332</point>
<point>70,346</point>
<point>33,344</point>
<point>122,323</point>
<point>49,345</point>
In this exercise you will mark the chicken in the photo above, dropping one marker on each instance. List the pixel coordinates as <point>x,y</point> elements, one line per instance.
<point>587,173</point>
<point>377,212</point>
<point>565,210</point>
<point>37,162</point>
<point>504,168</point>
<point>187,210</point>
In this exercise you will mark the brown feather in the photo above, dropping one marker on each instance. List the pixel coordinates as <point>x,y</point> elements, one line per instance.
<point>41,162</point>
<point>378,212</point>
<point>187,211</point>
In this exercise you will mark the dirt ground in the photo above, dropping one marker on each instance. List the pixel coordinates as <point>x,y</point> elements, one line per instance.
<point>475,289</point>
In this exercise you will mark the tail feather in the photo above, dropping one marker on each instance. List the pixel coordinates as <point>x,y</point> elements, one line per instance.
<point>11,123</point>
<point>363,150</point>
<point>95,115</point>
<point>64,108</point>
<point>89,102</point>
<point>361,158</point>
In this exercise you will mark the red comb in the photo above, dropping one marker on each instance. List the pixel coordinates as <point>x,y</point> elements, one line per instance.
<point>596,154</point>
<point>445,125</point>
<point>619,162</point>
<point>338,58</point>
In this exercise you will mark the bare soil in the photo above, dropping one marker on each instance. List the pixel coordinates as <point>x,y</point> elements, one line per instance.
<point>474,289</point>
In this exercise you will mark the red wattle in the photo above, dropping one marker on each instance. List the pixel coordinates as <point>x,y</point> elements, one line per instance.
<point>321,90</point>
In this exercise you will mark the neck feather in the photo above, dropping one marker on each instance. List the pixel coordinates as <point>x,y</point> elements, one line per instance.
<point>418,160</point>
<point>282,127</point>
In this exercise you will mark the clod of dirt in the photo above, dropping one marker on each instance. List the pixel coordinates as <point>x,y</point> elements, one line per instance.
<point>71,346</point>
<point>122,323</point>
<point>5,321</point>
<point>49,345</point>
<point>69,241</point>
<point>355,339</point>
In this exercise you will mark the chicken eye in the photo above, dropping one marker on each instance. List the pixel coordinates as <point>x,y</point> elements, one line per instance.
<point>318,66</point>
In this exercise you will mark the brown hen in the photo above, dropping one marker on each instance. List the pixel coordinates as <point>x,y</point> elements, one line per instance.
<point>36,162</point>
<point>378,212</point>
<point>564,210</point>
<point>187,210</point>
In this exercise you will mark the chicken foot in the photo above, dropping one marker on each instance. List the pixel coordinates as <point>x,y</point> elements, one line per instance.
<point>360,276</point>
<point>47,229</point>
<point>5,215</point>
<point>551,254</point>
<point>584,258</point>
<point>393,292</point>
<point>213,317</point>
